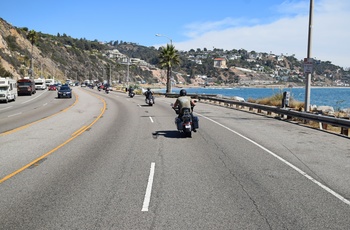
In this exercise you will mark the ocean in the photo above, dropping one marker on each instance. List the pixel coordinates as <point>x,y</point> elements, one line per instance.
<point>337,97</point>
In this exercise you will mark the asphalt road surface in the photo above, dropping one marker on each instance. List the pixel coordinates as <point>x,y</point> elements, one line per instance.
<point>100,161</point>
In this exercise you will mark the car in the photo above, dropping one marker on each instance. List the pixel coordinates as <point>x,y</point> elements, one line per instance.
<point>64,91</point>
<point>52,88</point>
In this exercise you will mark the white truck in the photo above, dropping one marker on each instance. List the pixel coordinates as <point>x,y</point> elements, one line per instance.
<point>8,89</point>
<point>40,83</point>
<point>49,82</point>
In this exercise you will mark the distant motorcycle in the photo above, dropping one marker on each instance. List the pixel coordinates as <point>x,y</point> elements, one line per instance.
<point>187,123</point>
<point>149,100</point>
<point>107,91</point>
<point>131,93</point>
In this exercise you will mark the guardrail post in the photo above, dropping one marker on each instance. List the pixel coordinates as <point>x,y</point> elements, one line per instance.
<point>344,130</point>
<point>323,126</point>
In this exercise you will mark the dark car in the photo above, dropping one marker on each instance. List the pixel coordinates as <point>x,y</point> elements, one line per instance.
<point>64,91</point>
<point>52,88</point>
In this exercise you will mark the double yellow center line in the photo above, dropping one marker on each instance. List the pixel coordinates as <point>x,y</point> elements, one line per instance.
<point>73,136</point>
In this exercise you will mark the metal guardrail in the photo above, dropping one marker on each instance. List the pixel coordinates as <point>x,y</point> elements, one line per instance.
<point>343,123</point>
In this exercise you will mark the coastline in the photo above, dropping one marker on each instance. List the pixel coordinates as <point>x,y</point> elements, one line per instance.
<point>336,97</point>
<point>235,86</point>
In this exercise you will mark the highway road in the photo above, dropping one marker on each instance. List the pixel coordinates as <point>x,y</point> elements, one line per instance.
<point>107,161</point>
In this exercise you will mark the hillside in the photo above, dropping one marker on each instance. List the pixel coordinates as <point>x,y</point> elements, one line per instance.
<point>63,57</point>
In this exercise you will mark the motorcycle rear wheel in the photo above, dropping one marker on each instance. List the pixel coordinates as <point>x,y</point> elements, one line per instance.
<point>188,134</point>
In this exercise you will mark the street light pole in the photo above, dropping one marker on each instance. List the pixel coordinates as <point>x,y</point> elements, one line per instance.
<point>308,78</point>
<point>161,35</point>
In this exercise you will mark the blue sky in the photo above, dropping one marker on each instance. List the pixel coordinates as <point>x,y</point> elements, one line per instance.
<point>276,26</point>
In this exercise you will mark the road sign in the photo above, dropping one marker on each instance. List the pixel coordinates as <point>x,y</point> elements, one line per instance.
<point>308,65</point>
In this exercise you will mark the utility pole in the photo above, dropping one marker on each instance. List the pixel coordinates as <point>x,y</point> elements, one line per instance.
<point>41,70</point>
<point>110,74</point>
<point>308,74</point>
<point>31,69</point>
<point>127,75</point>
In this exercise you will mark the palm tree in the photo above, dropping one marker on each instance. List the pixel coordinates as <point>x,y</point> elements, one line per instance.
<point>169,57</point>
<point>32,36</point>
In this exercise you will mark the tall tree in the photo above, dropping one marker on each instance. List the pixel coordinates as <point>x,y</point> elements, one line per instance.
<point>32,36</point>
<point>168,58</point>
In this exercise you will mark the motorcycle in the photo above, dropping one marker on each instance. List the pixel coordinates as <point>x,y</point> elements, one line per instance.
<point>107,91</point>
<point>131,94</point>
<point>149,100</point>
<point>187,123</point>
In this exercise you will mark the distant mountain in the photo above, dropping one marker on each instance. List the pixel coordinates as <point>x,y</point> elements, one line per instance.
<point>63,57</point>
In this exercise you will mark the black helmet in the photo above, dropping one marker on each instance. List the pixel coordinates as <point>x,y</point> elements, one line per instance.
<point>183,92</point>
<point>148,89</point>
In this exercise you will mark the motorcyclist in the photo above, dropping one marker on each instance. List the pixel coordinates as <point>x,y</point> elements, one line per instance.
<point>149,94</point>
<point>106,87</point>
<point>182,102</point>
<point>131,90</point>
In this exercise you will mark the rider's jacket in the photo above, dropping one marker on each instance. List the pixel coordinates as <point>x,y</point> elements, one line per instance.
<point>183,102</point>
<point>148,94</point>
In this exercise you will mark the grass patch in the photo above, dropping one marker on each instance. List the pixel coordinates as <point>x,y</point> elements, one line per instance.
<point>276,100</point>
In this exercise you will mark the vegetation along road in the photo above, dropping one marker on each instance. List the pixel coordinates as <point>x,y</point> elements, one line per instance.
<point>107,161</point>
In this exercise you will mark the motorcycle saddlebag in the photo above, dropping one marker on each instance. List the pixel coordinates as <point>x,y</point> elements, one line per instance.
<point>195,122</point>
<point>179,123</point>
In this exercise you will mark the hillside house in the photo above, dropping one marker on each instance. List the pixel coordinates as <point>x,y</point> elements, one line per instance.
<point>280,58</point>
<point>220,63</point>
<point>255,56</point>
<point>234,57</point>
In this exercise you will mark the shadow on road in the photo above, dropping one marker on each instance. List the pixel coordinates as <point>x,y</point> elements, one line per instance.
<point>167,134</point>
<point>146,105</point>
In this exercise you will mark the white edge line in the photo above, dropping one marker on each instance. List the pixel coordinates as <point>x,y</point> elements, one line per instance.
<point>6,107</point>
<point>329,190</point>
<point>33,98</point>
<point>16,114</point>
<point>149,189</point>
